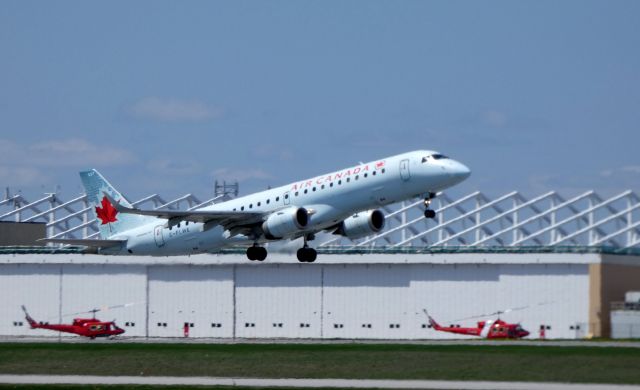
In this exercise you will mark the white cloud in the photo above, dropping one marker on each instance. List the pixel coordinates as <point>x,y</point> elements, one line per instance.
<point>240,175</point>
<point>174,168</point>
<point>625,170</point>
<point>494,118</point>
<point>21,176</point>
<point>173,110</point>
<point>75,151</point>
<point>607,181</point>
<point>62,153</point>
<point>271,151</point>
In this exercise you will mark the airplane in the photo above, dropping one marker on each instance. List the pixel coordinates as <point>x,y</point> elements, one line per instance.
<point>343,202</point>
<point>87,327</point>
<point>488,329</point>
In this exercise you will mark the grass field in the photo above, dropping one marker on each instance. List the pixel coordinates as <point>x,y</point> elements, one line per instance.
<point>146,387</point>
<point>142,387</point>
<point>349,361</point>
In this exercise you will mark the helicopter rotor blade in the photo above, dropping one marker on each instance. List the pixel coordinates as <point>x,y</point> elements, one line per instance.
<point>505,311</point>
<point>95,310</point>
<point>54,317</point>
<point>105,308</point>
<point>479,316</point>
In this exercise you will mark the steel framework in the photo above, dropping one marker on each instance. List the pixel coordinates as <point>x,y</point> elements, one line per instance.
<point>509,220</point>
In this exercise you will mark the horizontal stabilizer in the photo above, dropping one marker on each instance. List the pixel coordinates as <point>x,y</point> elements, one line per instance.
<point>224,218</point>
<point>85,242</point>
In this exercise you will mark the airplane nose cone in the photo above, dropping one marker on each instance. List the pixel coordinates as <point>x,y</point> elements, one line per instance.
<point>459,171</point>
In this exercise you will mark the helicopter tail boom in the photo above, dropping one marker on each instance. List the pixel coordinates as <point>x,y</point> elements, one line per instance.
<point>432,322</point>
<point>29,319</point>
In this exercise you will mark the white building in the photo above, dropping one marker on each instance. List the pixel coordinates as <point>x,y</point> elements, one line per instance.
<point>625,317</point>
<point>375,295</point>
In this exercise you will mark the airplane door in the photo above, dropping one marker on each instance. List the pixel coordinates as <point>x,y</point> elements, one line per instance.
<point>157,235</point>
<point>285,198</point>
<point>404,170</point>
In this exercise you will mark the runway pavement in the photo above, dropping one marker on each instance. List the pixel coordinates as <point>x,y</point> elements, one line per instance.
<point>304,383</point>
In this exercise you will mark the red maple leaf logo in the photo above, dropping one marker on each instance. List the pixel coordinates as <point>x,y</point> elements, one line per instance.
<point>107,213</point>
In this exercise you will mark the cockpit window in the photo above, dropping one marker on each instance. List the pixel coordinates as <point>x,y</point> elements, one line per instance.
<point>435,156</point>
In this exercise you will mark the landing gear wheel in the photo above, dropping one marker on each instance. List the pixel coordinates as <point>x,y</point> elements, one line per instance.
<point>301,255</point>
<point>261,253</point>
<point>428,213</point>
<point>256,253</point>
<point>312,255</point>
<point>251,253</point>
<point>307,255</point>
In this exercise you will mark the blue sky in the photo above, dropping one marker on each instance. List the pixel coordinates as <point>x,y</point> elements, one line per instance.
<point>166,96</point>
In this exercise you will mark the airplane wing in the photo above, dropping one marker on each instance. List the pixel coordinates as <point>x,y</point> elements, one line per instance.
<point>85,242</point>
<point>228,219</point>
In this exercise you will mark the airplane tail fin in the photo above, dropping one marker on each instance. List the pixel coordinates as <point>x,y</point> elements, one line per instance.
<point>30,320</point>
<point>111,221</point>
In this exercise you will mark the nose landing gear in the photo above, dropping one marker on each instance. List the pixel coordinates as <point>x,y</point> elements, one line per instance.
<point>428,213</point>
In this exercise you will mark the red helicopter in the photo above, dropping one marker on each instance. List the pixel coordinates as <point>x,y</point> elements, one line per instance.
<point>488,329</point>
<point>87,327</point>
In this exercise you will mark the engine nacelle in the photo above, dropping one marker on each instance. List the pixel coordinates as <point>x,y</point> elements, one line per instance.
<point>362,224</point>
<point>285,223</point>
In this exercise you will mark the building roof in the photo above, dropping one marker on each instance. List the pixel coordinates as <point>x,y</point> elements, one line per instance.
<point>449,255</point>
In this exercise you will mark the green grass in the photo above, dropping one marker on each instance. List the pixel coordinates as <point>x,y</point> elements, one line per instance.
<point>145,387</point>
<point>349,361</point>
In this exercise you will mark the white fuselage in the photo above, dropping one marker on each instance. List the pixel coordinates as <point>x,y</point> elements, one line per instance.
<point>329,198</point>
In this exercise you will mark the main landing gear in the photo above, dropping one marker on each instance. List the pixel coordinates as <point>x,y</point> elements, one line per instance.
<point>256,253</point>
<point>428,213</point>
<point>306,254</point>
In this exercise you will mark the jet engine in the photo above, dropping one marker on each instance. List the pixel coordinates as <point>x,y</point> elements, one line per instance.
<point>286,222</point>
<point>362,224</point>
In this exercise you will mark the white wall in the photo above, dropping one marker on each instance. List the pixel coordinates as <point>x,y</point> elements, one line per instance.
<point>555,295</point>
<point>298,300</point>
<point>278,301</point>
<point>198,295</point>
<point>625,324</point>
<point>86,287</point>
<point>365,300</point>
<point>37,286</point>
